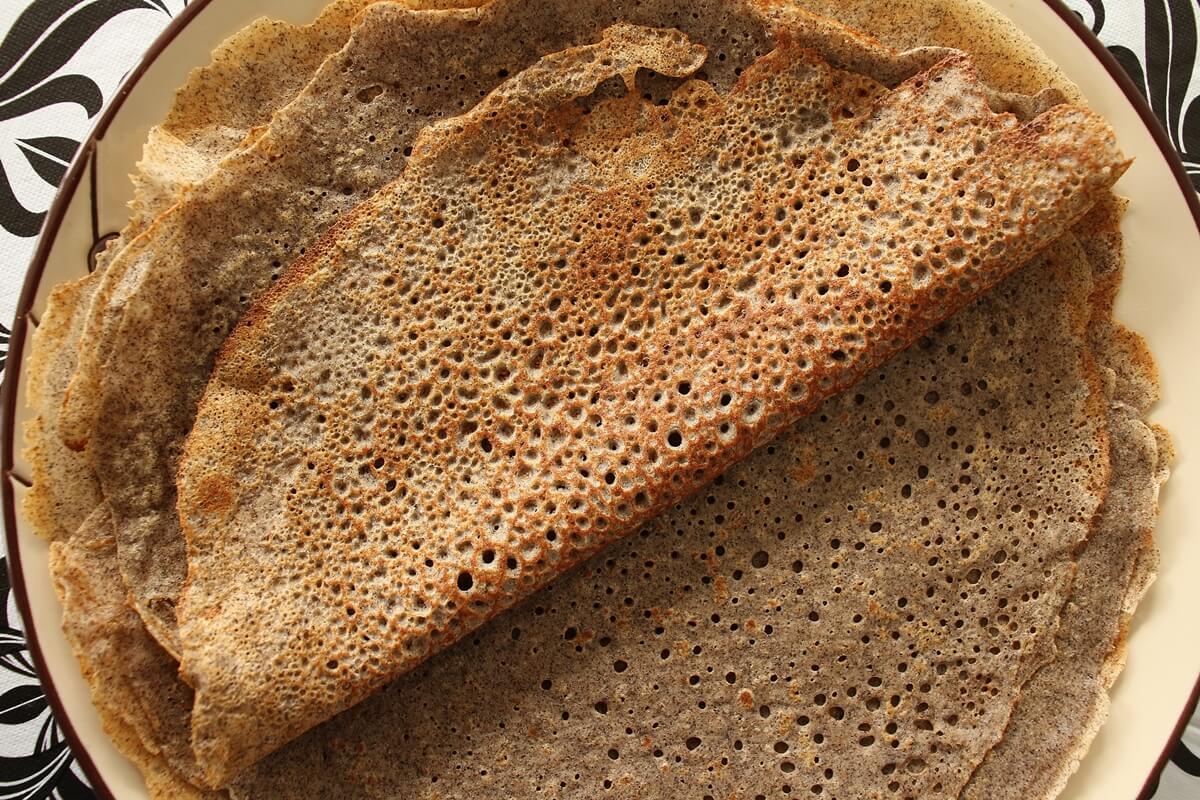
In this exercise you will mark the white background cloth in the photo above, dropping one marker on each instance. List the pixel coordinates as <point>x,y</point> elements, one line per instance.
<point>61,59</point>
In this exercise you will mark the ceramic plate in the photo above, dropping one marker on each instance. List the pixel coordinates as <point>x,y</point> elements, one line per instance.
<point>1160,298</point>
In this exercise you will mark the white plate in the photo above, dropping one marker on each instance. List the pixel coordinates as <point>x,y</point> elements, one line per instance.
<point>1160,298</point>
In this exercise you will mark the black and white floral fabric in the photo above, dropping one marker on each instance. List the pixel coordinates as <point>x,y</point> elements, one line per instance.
<point>61,60</point>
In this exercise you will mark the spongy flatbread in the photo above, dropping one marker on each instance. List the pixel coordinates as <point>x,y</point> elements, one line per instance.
<point>259,70</point>
<point>179,153</point>
<point>143,707</point>
<point>537,641</point>
<point>1006,57</point>
<point>705,247</point>
<point>1063,706</point>
<point>851,611</point>
<point>190,275</point>
<point>548,629</point>
<point>220,108</point>
<point>255,72</point>
<point>335,745</point>
<point>64,489</point>
<point>1047,742</point>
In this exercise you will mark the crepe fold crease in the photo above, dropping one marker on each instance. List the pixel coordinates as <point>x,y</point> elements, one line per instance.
<point>562,318</point>
<point>874,588</point>
<point>221,107</point>
<point>143,706</point>
<point>172,295</point>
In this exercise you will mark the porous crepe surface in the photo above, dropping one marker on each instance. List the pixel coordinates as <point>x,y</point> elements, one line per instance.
<point>143,707</point>
<point>1095,655</point>
<point>178,153</point>
<point>259,70</point>
<point>690,293</point>
<point>252,74</point>
<point>1063,706</point>
<point>850,611</point>
<point>224,104</point>
<point>64,490</point>
<point>1061,709</point>
<point>975,32</point>
<point>192,273</point>
<point>220,103</point>
<point>220,108</point>
<point>1007,59</point>
<point>353,741</point>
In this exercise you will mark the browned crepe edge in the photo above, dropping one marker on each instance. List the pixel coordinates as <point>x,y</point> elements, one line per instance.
<point>89,587</point>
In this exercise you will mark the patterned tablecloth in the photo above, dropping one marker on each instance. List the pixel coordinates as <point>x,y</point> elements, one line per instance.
<point>61,60</point>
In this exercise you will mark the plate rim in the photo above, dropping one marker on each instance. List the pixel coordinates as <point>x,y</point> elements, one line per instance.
<point>84,161</point>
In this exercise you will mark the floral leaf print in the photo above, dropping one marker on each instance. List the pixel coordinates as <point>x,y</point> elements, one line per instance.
<point>1155,42</point>
<point>11,643</point>
<point>49,156</point>
<point>14,217</point>
<point>21,704</point>
<point>1186,760</point>
<point>35,20</point>
<point>34,777</point>
<point>63,89</point>
<point>1170,60</point>
<point>46,769</point>
<point>1131,64</point>
<point>60,43</point>
<point>1097,15</point>
<point>13,656</point>
<point>1190,139</point>
<point>45,36</point>
<point>58,147</point>
<point>70,787</point>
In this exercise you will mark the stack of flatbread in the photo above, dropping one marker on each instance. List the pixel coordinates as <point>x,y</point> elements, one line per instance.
<point>605,398</point>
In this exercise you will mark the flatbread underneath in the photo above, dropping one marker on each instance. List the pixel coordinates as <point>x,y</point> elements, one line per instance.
<point>1065,703</point>
<point>397,743</point>
<point>335,744</point>
<point>142,705</point>
<point>848,611</point>
<point>252,74</point>
<point>383,459</point>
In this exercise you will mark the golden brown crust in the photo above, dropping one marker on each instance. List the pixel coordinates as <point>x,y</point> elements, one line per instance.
<point>806,605</point>
<point>142,707</point>
<point>463,449</point>
<point>174,292</point>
